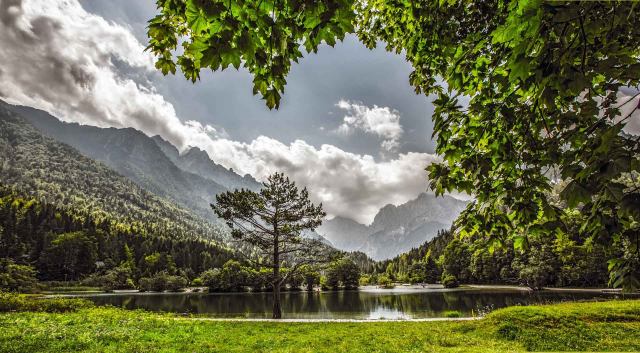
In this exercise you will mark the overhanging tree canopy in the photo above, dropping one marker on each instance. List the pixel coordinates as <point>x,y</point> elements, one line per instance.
<point>544,81</point>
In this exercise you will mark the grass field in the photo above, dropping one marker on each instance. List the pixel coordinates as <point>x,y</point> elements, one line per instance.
<point>603,326</point>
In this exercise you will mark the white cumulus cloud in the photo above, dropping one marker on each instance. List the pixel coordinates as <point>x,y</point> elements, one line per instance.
<point>348,184</point>
<point>381,121</point>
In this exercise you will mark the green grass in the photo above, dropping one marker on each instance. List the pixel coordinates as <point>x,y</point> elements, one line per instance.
<point>452,313</point>
<point>605,326</point>
<point>25,302</point>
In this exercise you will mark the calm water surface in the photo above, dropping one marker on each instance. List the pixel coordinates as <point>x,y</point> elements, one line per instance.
<point>362,304</point>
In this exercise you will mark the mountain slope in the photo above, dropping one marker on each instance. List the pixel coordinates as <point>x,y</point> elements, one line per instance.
<point>344,233</point>
<point>198,162</point>
<point>139,158</point>
<point>395,229</point>
<point>60,175</point>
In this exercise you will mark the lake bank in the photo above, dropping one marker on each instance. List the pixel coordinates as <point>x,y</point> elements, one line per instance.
<point>599,326</point>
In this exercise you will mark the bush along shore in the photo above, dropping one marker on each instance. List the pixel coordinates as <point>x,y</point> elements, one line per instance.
<point>32,324</point>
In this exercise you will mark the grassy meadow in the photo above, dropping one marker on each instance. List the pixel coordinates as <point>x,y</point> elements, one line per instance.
<point>58,326</point>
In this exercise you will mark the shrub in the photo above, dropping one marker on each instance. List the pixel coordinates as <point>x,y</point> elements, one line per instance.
<point>233,277</point>
<point>311,277</point>
<point>146,284</point>
<point>365,280</point>
<point>175,283</point>
<point>197,282</point>
<point>73,288</point>
<point>452,313</point>
<point>115,278</point>
<point>385,282</point>
<point>17,278</point>
<point>323,283</point>
<point>343,272</point>
<point>403,278</point>
<point>17,302</point>
<point>211,279</point>
<point>450,281</point>
<point>162,281</point>
<point>295,281</point>
<point>259,280</point>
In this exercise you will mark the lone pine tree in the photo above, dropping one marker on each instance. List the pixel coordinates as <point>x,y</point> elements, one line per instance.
<point>271,221</point>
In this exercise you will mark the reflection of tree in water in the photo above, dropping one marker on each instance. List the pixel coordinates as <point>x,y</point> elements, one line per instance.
<point>341,304</point>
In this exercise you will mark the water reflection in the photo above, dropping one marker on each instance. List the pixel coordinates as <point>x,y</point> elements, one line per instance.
<point>340,305</point>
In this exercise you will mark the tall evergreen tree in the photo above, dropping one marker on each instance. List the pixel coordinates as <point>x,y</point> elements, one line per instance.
<point>271,221</point>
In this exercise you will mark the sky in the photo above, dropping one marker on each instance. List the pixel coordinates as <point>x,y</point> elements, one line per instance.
<point>350,128</point>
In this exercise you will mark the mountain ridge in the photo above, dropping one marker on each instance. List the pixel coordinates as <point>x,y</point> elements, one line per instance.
<point>395,229</point>
<point>147,161</point>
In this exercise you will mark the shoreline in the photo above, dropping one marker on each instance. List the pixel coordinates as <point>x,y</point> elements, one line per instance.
<point>428,319</point>
<point>399,289</point>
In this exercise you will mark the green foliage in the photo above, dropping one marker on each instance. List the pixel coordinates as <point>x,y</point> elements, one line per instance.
<point>233,277</point>
<point>330,281</point>
<point>69,256</point>
<point>343,273</point>
<point>366,279</point>
<point>20,302</point>
<point>566,259</point>
<point>385,282</point>
<point>162,281</point>
<point>123,257</point>
<point>119,277</point>
<point>17,278</point>
<point>311,277</point>
<point>47,174</point>
<point>449,280</point>
<point>264,37</point>
<point>544,83</point>
<point>456,260</point>
<point>452,313</point>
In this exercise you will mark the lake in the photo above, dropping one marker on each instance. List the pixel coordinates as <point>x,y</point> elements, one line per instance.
<point>367,303</point>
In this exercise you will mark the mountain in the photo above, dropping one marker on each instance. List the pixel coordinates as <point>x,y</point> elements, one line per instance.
<point>395,229</point>
<point>197,161</point>
<point>58,175</point>
<point>191,180</point>
<point>344,233</point>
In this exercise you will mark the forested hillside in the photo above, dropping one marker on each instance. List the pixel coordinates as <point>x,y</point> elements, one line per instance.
<point>550,260</point>
<point>191,180</point>
<point>58,174</point>
<point>68,215</point>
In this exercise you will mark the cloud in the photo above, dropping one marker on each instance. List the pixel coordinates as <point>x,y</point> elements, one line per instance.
<point>381,121</point>
<point>349,185</point>
<point>62,59</point>
<point>59,58</point>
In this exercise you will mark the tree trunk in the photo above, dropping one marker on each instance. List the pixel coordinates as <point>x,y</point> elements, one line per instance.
<point>277,309</point>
